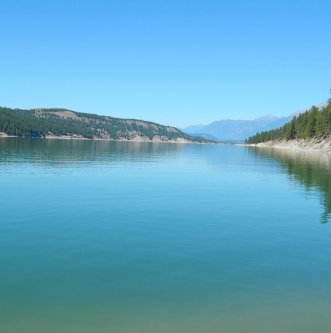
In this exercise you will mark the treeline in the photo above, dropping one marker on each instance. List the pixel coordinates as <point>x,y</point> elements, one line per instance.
<point>314,123</point>
<point>59,122</point>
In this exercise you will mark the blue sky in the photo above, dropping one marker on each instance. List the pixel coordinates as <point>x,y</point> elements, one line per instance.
<point>174,62</point>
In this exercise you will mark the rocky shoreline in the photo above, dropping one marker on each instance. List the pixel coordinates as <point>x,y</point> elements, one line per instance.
<point>315,145</point>
<point>156,139</point>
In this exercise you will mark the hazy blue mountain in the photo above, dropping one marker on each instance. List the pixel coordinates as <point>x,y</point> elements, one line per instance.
<point>237,129</point>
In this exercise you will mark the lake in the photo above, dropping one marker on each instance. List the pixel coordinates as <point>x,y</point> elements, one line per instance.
<point>126,237</point>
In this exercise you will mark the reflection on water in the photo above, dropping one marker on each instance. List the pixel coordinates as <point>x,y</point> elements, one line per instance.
<point>311,169</point>
<point>136,237</point>
<point>68,152</point>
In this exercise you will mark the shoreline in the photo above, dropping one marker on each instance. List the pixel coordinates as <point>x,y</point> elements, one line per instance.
<point>81,138</point>
<point>312,145</point>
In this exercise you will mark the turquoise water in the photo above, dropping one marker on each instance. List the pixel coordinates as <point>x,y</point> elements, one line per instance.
<point>138,237</point>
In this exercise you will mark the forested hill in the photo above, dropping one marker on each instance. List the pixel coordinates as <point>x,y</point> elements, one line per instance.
<point>314,123</point>
<point>41,123</point>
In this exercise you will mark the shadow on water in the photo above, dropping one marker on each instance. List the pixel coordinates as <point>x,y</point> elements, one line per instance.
<point>311,169</point>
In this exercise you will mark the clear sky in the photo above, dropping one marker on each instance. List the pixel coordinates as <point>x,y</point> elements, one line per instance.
<point>174,62</point>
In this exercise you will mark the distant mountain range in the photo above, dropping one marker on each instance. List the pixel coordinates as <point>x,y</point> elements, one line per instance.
<point>67,124</point>
<point>237,129</point>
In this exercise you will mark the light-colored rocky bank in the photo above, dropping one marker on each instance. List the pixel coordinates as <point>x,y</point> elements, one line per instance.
<point>315,145</point>
<point>5,135</point>
<point>157,139</point>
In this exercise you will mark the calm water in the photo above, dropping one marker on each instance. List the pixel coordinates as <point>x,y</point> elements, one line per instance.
<point>162,238</point>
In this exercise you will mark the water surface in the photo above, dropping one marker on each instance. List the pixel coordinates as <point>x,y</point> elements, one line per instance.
<point>140,237</point>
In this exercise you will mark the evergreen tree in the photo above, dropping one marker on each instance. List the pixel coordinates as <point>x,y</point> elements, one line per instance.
<point>314,123</point>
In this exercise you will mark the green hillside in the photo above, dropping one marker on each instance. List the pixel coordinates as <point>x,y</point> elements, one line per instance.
<point>40,123</point>
<point>314,123</point>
